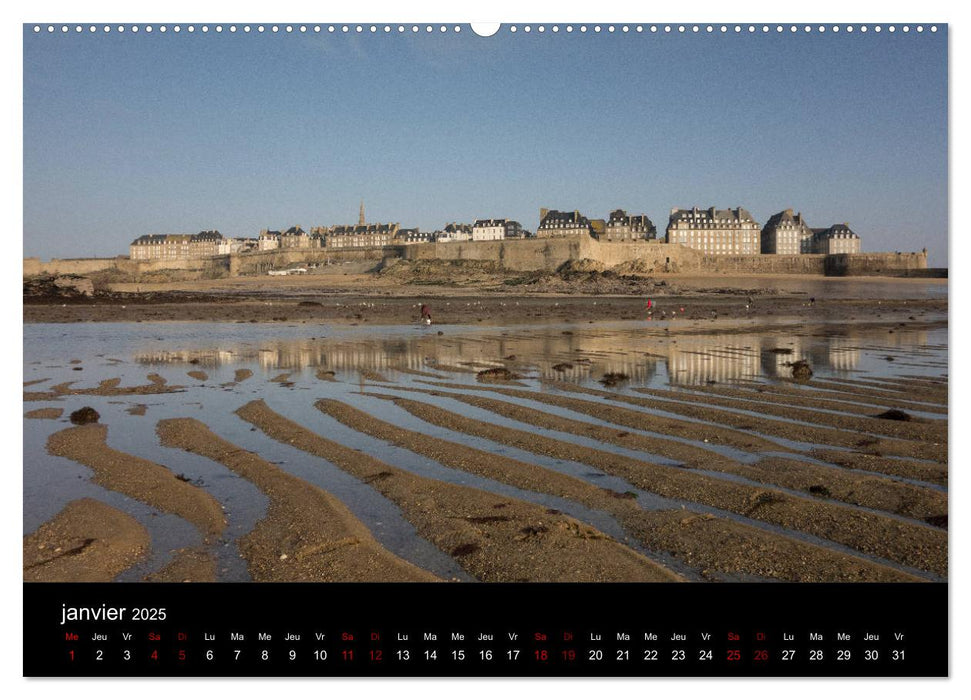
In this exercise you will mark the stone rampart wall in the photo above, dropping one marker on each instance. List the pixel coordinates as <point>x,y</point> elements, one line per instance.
<point>861,264</point>
<point>515,256</point>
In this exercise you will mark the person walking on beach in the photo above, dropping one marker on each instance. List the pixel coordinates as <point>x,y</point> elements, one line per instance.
<point>426,315</point>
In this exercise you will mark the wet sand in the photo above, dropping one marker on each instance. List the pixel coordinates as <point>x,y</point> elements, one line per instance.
<point>662,425</point>
<point>909,469</point>
<point>814,480</point>
<point>778,480</point>
<point>780,556</point>
<point>370,375</point>
<point>45,413</point>
<point>700,411</point>
<point>494,538</point>
<point>307,534</point>
<point>884,391</point>
<point>87,541</point>
<point>916,429</point>
<point>108,387</point>
<point>421,373</point>
<point>507,306</point>
<point>139,478</point>
<point>192,564</point>
<point>809,397</point>
<point>905,542</point>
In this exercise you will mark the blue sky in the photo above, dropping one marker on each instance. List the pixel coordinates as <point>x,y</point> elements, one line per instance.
<point>130,134</point>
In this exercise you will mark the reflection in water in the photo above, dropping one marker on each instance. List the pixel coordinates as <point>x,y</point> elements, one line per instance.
<point>645,355</point>
<point>658,355</point>
<point>838,354</point>
<point>844,354</point>
<point>713,358</point>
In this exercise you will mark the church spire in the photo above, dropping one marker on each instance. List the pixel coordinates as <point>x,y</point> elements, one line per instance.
<point>360,219</point>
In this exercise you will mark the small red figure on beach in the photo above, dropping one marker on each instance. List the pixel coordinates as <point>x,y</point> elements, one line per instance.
<point>426,315</point>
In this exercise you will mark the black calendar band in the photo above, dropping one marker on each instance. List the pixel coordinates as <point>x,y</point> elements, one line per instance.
<point>458,629</point>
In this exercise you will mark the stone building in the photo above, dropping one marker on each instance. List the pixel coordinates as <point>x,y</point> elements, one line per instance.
<point>361,236</point>
<point>296,237</point>
<point>205,244</point>
<point>560,224</point>
<point>454,232</point>
<point>232,246</point>
<point>409,236</point>
<point>838,238</point>
<point>624,227</point>
<point>786,233</point>
<point>489,230</point>
<point>715,231</point>
<point>268,240</point>
<point>160,246</point>
<point>514,230</point>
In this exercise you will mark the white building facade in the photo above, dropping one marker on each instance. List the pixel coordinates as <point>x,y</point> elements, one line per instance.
<point>786,233</point>
<point>715,231</point>
<point>835,240</point>
<point>489,230</point>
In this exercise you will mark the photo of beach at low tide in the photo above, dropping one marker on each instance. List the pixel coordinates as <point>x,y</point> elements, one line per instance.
<point>693,433</point>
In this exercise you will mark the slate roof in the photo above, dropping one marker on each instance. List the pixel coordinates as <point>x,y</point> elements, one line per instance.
<point>360,229</point>
<point>834,231</point>
<point>564,219</point>
<point>737,215</point>
<point>619,217</point>
<point>785,217</point>
<point>162,238</point>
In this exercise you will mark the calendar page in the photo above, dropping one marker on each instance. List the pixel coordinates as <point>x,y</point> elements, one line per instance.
<point>437,349</point>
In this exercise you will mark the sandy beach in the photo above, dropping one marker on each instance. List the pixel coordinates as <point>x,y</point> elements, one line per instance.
<point>323,435</point>
<point>86,541</point>
<point>372,299</point>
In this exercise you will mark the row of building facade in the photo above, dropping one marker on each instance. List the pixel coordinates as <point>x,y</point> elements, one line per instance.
<point>360,236</point>
<point>710,231</point>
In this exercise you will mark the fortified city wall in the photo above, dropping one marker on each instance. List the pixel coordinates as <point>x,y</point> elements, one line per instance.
<point>261,262</point>
<point>194,268</point>
<point>657,257</point>
<point>516,255</point>
<point>646,257</point>
<point>72,266</point>
<point>903,264</point>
